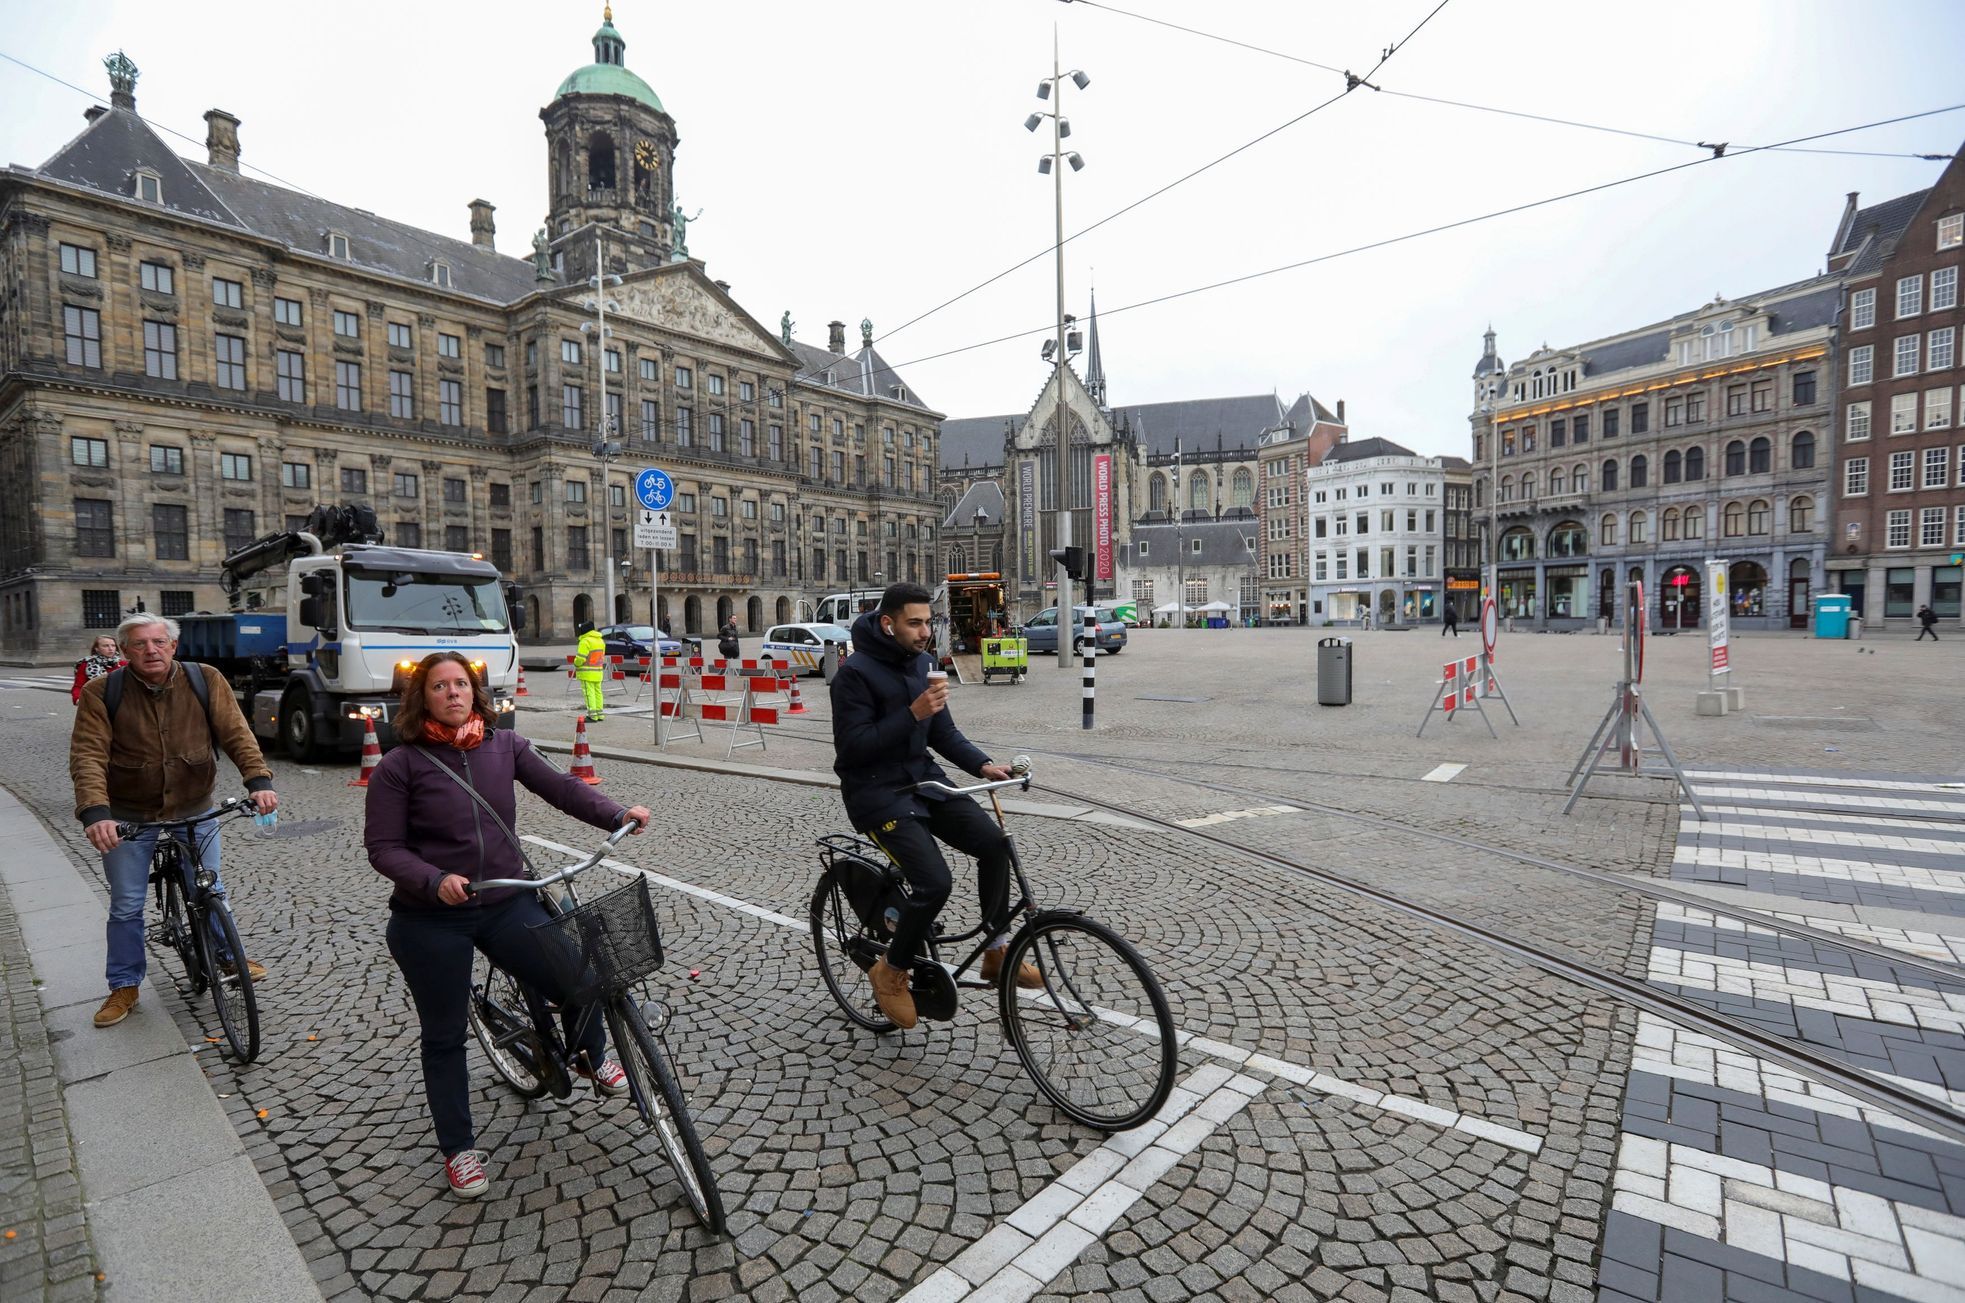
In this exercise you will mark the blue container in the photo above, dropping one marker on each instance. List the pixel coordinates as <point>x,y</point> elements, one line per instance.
<point>232,636</point>
<point>1832,615</point>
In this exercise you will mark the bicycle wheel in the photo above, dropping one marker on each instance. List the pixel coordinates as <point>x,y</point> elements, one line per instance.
<point>662,1114</point>
<point>232,993</point>
<point>846,949</point>
<point>1098,1039</point>
<point>500,1019</point>
<point>173,928</point>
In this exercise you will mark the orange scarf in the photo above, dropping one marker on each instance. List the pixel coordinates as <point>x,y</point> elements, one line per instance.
<point>467,736</point>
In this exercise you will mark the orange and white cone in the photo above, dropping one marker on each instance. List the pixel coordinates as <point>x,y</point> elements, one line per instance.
<point>797,706</point>
<point>583,759</point>
<point>521,690</point>
<point>371,753</point>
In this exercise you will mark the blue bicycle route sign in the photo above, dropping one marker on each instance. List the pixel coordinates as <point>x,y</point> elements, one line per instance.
<point>654,489</point>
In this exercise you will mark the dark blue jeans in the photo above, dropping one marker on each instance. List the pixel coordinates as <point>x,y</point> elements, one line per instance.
<point>433,948</point>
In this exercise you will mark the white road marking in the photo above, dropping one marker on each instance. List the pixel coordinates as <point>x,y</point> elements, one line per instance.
<point>1258,812</point>
<point>1443,774</point>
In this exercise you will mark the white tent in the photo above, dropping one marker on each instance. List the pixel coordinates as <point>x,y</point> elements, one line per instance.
<point>1212,608</point>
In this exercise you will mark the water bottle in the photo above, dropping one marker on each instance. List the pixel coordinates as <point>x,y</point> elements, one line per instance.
<point>266,824</point>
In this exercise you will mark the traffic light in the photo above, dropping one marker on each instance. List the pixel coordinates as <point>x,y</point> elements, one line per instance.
<point>1072,559</point>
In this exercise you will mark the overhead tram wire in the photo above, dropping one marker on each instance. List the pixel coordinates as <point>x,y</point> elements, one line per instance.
<point>1352,83</point>
<point>155,125</point>
<point>1431,230</point>
<point>1482,108</point>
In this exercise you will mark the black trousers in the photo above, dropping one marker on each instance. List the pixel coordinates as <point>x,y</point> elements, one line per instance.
<point>911,844</point>
<point>1926,629</point>
<point>433,948</point>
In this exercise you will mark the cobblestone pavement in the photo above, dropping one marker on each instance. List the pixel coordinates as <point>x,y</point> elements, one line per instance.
<point>46,1253</point>
<point>1370,1111</point>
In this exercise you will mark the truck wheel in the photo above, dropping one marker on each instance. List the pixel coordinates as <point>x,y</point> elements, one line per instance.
<point>297,731</point>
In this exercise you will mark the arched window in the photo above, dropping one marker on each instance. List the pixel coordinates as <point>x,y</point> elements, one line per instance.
<point>1610,477</point>
<point>1733,520</point>
<point>1801,514</point>
<point>1640,528</point>
<point>1507,489</point>
<point>1244,494</point>
<point>1758,512</point>
<point>600,161</point>
<point>1555,482</point>
<point>1668,525</point>
<point>957,563</point>
<point>1801,453</point>
<point>1156,492</point>
<point>1579,479</point>
<point>1760,456</point>
<point>1528,487</point>
<point>1197,491</point>
<point>1569,539</point>
<point>1640,473</point>
<point>1695,522</point>
<point>1695,463</point>
<point>1607,532</point>
<point>1518,544</point>
<point>1674,465</point>
<point>1736,458</point>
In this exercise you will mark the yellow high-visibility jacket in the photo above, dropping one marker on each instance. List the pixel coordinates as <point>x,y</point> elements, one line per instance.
<point>589,656</point>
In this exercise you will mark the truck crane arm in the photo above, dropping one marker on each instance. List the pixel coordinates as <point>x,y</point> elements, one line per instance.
<point>324,528</point>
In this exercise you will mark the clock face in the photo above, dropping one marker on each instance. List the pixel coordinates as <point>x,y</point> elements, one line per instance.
<point>646,154</point>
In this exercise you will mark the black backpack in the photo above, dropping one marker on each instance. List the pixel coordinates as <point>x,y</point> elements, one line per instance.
<point>112,693</point>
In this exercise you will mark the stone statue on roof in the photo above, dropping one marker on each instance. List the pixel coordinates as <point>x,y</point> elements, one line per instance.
<point>866,332</point>
<point>679,225</point>
<point>122,72</point>
<point>784,328</point>
<point>542,258</point>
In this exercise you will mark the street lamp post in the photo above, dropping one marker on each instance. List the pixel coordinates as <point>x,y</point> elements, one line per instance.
<point>1053,164</point>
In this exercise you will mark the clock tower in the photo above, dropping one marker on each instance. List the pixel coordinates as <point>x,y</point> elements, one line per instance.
<point>610,151</point>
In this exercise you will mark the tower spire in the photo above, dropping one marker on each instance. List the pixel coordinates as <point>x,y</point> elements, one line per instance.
<point>1094,363</point>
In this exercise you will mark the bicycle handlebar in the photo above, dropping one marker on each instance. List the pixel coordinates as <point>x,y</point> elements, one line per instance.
<point>231,805</point>
<point>1019,777</point>
<point>566,874</point>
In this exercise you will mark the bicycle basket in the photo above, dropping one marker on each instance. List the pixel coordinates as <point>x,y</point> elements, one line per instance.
<point>605,945</point>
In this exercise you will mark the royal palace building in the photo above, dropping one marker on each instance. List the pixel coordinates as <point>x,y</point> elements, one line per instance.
<point>191,358</point>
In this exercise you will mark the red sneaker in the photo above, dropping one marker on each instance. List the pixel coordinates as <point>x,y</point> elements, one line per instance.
<point>611,1080</point>
<point>465,1172</point>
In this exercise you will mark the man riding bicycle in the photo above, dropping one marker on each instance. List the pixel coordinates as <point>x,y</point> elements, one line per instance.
<point>886,714</point>
<point>151,757</point>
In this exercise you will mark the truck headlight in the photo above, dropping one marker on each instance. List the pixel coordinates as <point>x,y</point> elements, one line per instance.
<point>505,705</point>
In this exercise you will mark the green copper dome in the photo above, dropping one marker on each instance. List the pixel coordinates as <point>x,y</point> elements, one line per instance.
<point>608,74</point>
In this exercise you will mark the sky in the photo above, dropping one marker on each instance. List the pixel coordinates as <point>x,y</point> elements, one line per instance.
<point>870,161</point>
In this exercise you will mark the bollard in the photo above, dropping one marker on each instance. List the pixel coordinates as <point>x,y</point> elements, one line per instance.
<point>1091,663</point>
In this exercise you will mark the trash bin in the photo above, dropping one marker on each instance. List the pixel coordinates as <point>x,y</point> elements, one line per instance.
<point>1832,615</point>
<point>1333,671</point>
<point>1855,626</point>
<point>829,661</point>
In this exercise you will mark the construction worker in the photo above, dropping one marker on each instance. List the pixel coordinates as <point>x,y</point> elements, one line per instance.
<point>588,657</point>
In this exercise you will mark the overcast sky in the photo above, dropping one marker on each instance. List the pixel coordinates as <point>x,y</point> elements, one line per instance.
<point>869,160</point>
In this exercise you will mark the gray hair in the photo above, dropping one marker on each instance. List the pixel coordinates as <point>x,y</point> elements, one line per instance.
<point>140,619</point>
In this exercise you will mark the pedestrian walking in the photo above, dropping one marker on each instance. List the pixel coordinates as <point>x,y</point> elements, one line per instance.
<point>1929,619</point>
<point>1364,617</point>
<point>726,639</point>
<point>103,657</point>
<point>1452,624</point>
<point>588,654</point>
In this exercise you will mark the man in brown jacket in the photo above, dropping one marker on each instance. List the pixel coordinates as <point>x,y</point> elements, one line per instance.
<point>156,761</point>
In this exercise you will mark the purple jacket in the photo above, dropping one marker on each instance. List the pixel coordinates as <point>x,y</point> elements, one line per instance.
<point>422,826</point>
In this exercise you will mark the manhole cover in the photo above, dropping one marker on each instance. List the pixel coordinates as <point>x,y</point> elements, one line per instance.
<point>1188,700</point>
<point>1836,723</point>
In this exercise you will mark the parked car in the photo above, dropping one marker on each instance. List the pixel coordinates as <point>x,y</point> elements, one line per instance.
<point>1042,632</point>
<point>636,639</point>
<point>803,646</point>
<point>1126,613</point>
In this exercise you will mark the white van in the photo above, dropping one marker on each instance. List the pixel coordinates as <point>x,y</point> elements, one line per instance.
<point>844,608</point>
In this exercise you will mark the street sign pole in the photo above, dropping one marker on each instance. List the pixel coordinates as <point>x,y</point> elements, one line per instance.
<point>654,610</point>
<point>653,530</point>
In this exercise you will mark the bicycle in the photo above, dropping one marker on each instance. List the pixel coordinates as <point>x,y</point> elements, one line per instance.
<point>605,946</point>
<point>196,923</point>
<point>1100,1001</point>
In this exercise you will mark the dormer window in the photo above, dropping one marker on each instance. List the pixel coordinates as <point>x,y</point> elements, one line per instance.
<point>440,274</point>
<point>337,245</point>
<point>148,186</point>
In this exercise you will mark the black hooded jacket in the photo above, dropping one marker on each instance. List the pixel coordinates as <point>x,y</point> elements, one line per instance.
<point>881,748</point>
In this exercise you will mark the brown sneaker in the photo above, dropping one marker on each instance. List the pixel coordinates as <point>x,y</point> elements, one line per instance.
<point>254,968</point>
<point>1027,975</point>
<point>890,992</point>
<point>117,1007</point>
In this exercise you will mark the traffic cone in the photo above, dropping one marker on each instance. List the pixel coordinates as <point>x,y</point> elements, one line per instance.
<point>797,706</point>
<point>371,753</point>
<point>583,759</point>
<point>521,692</point>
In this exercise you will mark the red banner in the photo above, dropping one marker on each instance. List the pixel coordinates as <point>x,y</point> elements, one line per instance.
<point>1102,513</point>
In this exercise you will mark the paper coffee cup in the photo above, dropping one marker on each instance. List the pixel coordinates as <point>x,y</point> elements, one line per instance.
<point>937,676</point>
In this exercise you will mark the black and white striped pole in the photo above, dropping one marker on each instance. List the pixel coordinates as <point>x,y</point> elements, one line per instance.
<point>1091,661</point>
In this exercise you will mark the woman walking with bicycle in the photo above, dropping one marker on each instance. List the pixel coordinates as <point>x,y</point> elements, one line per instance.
<point>430,806</point>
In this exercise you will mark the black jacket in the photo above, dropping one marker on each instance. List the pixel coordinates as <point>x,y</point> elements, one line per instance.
<point>881,748</point>
<point>727,638</point>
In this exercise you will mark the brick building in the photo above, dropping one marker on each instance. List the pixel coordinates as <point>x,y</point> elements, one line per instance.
<point>1899,520</point>
<point>191,357</point>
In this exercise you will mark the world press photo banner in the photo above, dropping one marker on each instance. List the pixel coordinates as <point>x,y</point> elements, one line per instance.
<point>1102,513</point>
<point>1027,520</point>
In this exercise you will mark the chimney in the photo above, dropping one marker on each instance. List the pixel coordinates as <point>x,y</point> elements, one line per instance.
<point>482,230</point>
<point>94,111</point>
<point>836,336</point>
<point>1340,411</point>
<point>222,140</point>
<point>722,285</point>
